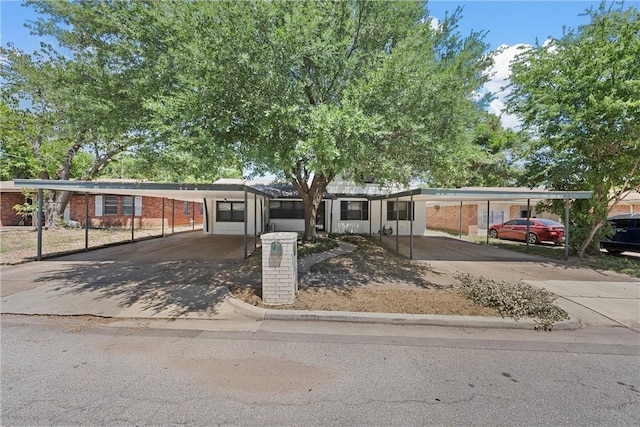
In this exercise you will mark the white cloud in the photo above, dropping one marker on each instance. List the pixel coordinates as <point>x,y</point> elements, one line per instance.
<point>434,23</point>
<point>500,75</point>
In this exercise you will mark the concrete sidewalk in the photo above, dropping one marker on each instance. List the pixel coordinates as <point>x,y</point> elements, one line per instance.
<point>123,282</point>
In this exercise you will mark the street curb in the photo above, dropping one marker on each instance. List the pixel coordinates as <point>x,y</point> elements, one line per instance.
<point>396,318</point>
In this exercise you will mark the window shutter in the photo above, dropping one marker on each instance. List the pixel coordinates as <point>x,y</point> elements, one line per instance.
<point>138,205</point>
<point>344,207</point>
<point>365,211</point>
<point>98,200</point>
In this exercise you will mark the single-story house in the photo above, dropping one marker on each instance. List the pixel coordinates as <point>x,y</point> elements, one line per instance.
<point>242,207</point>
<point>345,208</point>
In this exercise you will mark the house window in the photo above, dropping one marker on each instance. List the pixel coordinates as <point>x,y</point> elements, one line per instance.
<point>201,208</point>
<point>230,211</point>
<point>127,205</point>
<point>185,208</point>
<point>111,205</point>
<point>403,211</point>
<point>357,211</point>
<point>286,209</point>
<point>494,217</point>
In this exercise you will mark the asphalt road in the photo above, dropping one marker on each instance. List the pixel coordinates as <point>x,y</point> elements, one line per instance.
<point>74,371</point>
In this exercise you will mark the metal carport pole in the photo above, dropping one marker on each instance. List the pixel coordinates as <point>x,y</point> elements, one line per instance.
<point>173,216</point>
<point>86,222</point>
<point>380,231</point>
<point>255,222</point>
<point>246,231</point>
<point>411,212</point>
<point>162,217</point>
<point>460,232</point>
<point>528,218</point>
<point>566,229</point>
<point>39,253</point>
<point>369,211</point>
<point>397,225</point>
<point>133,217</point>
<point>488,218</point>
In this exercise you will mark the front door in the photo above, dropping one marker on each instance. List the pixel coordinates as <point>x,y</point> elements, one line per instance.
<point>320,217</point>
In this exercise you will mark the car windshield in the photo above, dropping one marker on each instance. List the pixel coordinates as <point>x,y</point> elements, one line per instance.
<point>549,223</point>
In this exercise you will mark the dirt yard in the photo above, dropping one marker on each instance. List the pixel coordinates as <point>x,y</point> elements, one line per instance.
<point>19,244</point>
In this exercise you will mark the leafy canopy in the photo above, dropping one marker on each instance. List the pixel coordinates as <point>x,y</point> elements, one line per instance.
<point>579,97</point>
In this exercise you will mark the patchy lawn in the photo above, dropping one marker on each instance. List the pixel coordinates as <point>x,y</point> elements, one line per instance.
<point>370,279</point>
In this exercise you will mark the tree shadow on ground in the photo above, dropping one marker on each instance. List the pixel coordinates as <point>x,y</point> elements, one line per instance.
<point>174,288</point>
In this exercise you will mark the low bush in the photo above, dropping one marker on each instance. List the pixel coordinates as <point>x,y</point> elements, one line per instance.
<point>513,300</point>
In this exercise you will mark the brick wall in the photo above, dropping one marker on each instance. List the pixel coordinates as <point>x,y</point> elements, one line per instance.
<point>447,218</point>
<point>8,200</point>
<point>151,213</point>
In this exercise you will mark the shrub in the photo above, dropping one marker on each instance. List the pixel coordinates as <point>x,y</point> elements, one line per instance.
<point>513,300</point>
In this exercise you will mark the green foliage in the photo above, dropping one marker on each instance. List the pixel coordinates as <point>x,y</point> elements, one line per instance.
<point>513,300</point>
<point>579,97</point>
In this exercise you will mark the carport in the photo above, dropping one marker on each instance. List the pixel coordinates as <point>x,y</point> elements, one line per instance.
<point>183,192</point>
<point>482,195</point>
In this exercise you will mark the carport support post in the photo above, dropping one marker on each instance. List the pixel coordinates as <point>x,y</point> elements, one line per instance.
<point>133,217</point>
<point>380,232</point>
<point>39,222</point>
<point>86,222</point>
<point>566,229</point>
<point>528,218</point>
<point>162,217</point>
<point>255,221</point>
<point>397,225</point>
<point>460,233</point>
<point>245,225</point>
<point>488,218</point>
<point>411,230</point>
<point>173,216</point>
<point>369,210</point>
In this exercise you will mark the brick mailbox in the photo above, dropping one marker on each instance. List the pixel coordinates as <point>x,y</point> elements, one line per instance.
<point>279,268</point>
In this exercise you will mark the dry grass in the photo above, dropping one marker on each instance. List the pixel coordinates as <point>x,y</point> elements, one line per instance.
<point>418,301</point>
<point>19,244</point>
<point>370,279</point>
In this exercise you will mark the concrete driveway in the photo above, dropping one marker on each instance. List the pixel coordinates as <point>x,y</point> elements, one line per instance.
<point>163,277</point>
<point>174,277</point>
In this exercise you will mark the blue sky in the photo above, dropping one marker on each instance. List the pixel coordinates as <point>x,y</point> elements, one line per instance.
<point>508,22</point>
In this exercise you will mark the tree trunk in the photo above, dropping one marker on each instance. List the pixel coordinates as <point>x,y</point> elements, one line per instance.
<point>311,197</point>
<point>585,244</point>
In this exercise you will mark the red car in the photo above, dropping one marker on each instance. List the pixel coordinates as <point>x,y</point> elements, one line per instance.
<point>540,230</point>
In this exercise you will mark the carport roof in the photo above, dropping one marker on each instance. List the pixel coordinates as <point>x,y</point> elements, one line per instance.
<point>187,192</point>
<point>482,194</point>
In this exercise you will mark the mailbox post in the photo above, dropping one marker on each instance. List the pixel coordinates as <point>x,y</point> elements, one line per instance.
<point>279,268</point>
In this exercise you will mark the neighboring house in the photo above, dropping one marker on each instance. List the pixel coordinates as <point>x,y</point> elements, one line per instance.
<point>107,210</point>
<point>9,197</point>
<point>446,216</point>
<point>345,208</point>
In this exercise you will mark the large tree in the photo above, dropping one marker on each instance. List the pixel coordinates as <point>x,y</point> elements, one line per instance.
<point>311,90</point>
<point>305,90</point>
<point>579,96</point>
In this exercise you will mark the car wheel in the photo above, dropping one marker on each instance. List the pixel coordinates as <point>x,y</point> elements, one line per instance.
<point>493,233</point>
<point>532,239</point>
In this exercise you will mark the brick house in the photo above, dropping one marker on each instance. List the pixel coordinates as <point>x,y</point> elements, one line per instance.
<point>107,210</point>
<point>9,197</point>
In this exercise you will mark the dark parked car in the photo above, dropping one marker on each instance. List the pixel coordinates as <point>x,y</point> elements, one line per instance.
<point>540,230</point>
<point>627,234</point>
